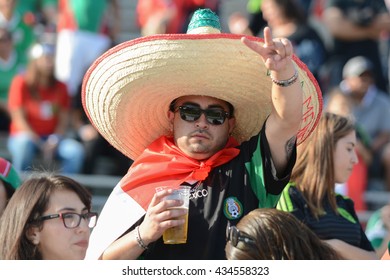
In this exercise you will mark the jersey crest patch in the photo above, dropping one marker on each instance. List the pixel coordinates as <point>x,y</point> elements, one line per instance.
<point>232,208</point>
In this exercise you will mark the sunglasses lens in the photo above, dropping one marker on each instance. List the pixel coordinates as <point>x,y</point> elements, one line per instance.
<point>216,117</point>
<point>234,236</point>
<point>189,114</point>
<point>227,233</point>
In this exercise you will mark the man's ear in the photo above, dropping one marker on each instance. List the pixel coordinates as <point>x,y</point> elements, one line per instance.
<point>232,124</point>
<point>33,235</point>
<point>171,116</point>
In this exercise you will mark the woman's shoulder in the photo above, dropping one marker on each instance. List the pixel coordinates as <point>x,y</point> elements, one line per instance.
<point>292,189</point>
<point>343,199</point>
<point>345,202</point>
<point>291,198</point>
<point>346,208</point>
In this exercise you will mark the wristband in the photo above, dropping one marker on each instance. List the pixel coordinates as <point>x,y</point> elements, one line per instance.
<point>286,83</point>
<point>139,239</point>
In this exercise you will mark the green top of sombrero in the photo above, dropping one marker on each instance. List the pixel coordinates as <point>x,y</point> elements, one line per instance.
<point>204,18</point>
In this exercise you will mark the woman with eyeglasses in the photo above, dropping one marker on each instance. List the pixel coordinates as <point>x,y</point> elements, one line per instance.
<point>48,218</point>
<point>270,234</point>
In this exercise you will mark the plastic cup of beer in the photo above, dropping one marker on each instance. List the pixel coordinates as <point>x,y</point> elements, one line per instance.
<point>178,234</point>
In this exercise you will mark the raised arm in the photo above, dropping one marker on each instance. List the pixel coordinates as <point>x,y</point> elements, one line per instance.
<point>283,123</point>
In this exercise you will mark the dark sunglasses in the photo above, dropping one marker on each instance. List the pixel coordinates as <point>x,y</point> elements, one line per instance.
<point>214,116</point>
<point>234,235</point>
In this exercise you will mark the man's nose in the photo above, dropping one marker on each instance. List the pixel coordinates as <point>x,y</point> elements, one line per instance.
<point>202,121</point>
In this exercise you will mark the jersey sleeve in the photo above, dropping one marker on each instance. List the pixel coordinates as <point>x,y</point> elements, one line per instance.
<point>292,201</point>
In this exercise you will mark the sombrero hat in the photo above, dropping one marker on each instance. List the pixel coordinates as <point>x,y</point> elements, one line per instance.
<point>127,91</point>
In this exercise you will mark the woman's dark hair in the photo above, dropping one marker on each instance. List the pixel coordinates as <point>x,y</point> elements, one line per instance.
<point>278,235</point>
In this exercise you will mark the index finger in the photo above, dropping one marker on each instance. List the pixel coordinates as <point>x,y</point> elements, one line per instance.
<point>268,40</point>
<point>158,197</point>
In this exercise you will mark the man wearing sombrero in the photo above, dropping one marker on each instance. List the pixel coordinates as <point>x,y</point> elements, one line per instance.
<point>215,111</point>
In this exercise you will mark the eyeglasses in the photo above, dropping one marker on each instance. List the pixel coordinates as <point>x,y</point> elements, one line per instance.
<point>214,116</point>
<point>73,220</point>
<point>234,235</point>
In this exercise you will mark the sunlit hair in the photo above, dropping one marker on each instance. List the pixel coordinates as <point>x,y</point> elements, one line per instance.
<point>28,203</point>
<point>34,75</point>
<point>313,172</point>
<point>279,235</point>
<point>339,103</point>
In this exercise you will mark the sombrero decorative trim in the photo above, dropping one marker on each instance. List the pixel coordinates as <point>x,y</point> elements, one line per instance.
<point>127,91</point>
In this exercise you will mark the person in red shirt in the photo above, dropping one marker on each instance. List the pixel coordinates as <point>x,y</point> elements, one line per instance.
<point>169,16</point>
<point>39,106</point>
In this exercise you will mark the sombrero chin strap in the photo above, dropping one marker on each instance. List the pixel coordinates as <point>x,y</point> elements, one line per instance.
<point>163,164</point>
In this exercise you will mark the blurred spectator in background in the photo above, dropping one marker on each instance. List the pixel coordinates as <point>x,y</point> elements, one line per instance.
<point>371,109</point>
<point>95,145</point>
<point>356,28</point>
<point>43,13</point>
<point>53,223</point>
<point>21,28</point>
<point>9,182</point>
<point>386,48</point>
<point>378,229</point>
<point>10,65</point>
<point>286,18</point>
<point>169,16</point>
<point>84,32</point>
<point>159,17</point>
<point>251,23</point>
<point>39,106</point>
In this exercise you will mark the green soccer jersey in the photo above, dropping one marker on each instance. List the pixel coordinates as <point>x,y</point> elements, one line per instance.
<point>89,14</point>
